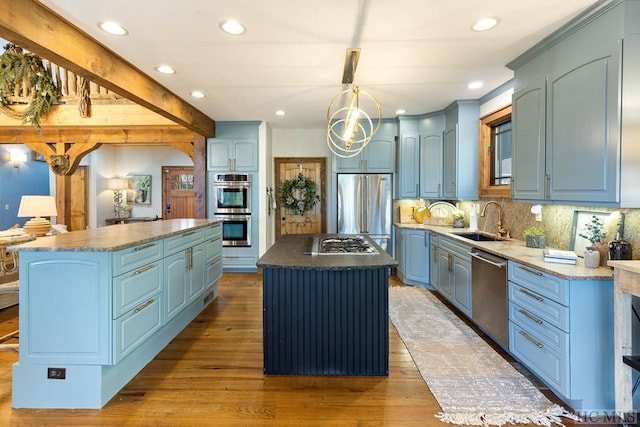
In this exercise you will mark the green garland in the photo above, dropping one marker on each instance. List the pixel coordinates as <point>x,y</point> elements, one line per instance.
<point>16,66</point>
<point>298,194</point>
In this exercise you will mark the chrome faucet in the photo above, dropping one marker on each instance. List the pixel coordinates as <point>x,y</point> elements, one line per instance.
<point>502,231</point>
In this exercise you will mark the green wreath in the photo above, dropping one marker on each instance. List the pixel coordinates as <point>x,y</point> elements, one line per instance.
<point>298,194</point>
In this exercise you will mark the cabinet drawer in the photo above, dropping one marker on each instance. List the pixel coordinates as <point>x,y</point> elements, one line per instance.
<point>540,306</point>
<point>136,326</point>
<point>458,249</point>
<point>137,256</point>
<point>554,338</point>
<point>135,287</point>
<point>213,231</point>
<point>539,358</point>
<point>541,283</point>
<point>214,271</point>
<point>183,241</point>
<point>213,248</point>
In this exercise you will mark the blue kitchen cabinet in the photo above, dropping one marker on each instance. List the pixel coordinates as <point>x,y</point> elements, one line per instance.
<point>399,236</point>
<point>416,250</point>
<point>377,157</point>
<point>434,270</point>
<point>420,156</point>
<point>105,318</point>
<point>562,331</point>
<point>460,151</point>
<point>454,268</point>
<point>234,155</point>
<point>573,141</point>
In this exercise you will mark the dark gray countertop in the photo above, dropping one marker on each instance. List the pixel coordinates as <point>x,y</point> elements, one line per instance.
<point>291,252</point>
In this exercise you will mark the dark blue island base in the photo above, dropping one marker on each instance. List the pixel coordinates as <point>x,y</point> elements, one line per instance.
<point>324,315</point>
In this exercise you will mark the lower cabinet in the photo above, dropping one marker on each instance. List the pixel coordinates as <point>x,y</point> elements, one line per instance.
<point>412,252</point>
<point>110,314</point>
<point>562,331</point>
<point>454,273</point>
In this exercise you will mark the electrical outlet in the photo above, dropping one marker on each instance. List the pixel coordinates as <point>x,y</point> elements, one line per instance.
<point>57,373</point>
<point>6,206</point>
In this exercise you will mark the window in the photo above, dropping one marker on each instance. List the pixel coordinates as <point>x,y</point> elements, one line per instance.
<point>495,154</point>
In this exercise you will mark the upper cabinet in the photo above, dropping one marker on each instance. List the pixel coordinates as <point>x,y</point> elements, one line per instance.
<point>234,149</point>
<point>379,154</point>
<point>574,127</point>
<point>420,156</point>
<point>460,151</point>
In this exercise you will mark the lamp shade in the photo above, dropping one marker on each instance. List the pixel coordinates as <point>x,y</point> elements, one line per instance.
<point>37,207</point>
<point>118,184</point>
<point>33,206</point>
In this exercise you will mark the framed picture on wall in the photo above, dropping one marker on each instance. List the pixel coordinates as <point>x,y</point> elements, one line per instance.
<point>139,192</point>
<point>581,219</point>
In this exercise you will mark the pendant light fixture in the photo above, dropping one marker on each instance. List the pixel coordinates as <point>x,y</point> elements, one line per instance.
<point>349,126</point>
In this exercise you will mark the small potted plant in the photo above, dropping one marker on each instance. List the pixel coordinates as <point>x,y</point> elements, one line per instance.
<point>534,237</point>
<point>458,219</point>
<point>594,233</point>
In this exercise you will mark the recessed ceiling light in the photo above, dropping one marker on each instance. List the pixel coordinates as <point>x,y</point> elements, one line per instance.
<point>114,28</point>
<point>165,69</point>
<point>231,26</point>
<point>485,24</point>
<point>475,85</point>
<point>280,113</point>
<point>400,111</point>
<point>197,94</point>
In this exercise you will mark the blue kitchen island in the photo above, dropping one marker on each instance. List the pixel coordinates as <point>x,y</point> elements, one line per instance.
<point>97,305</point>
<point>325,313</point>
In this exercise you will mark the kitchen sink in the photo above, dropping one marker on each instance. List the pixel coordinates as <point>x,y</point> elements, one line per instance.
<point>480,237</point>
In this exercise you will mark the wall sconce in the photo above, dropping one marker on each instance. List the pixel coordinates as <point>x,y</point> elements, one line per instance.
<point>119,187</point>
<point>18,158</point>
<point>37,207</point>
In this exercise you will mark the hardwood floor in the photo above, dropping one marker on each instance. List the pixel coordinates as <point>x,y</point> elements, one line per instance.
<point>211,374</point>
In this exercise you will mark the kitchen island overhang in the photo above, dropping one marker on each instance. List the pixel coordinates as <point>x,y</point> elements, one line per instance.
<point>325,315</point>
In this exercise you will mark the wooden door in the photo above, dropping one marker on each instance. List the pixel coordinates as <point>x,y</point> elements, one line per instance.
<point>314,220</point>
<point>177,192</point>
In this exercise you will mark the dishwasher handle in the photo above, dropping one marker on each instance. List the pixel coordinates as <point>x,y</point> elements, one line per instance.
<point>478,256</point>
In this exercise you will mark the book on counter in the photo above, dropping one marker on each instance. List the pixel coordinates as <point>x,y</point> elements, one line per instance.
<point>560,256</point>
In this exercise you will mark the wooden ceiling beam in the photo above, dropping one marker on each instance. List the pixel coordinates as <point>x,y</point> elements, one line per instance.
<point>36,28</point>
<point>130,136</point>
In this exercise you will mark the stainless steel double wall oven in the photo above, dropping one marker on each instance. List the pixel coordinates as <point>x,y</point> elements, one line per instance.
<point>232,204</point>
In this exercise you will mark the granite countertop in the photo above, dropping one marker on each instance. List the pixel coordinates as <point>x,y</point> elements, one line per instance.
<point>292,251</point>
<point>516,250</point>
<point>112,237</point>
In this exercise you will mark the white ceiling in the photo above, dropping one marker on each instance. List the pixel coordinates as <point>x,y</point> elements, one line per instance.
<point>416,54</point>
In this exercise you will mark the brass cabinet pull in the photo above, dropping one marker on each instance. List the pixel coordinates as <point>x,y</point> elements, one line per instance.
<point>188,254</point>
<point>188,234</point>
<point>530,338</point>
<point>139,248</point>
<point>145,305</point>
<point>449,262</point>
<point>435,253</point>
<point>528,270</point>
<point>531,316</point>
<point>142,270</point>
<point>531,294</point>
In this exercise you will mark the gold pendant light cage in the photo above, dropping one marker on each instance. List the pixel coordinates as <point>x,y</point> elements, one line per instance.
<point>353,116</point>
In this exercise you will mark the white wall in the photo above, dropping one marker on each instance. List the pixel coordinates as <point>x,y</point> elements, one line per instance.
<point>110,161</point>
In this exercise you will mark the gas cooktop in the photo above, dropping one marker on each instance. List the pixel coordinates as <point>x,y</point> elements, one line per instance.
<point>340,245</point>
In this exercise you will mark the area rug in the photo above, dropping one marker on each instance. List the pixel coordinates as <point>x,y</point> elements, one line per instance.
<point>472,383</point>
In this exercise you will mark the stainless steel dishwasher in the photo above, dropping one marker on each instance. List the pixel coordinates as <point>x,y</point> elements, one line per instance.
<point>489,295</point>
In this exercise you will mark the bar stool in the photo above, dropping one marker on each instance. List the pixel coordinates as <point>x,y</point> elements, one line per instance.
<point>6,288</point>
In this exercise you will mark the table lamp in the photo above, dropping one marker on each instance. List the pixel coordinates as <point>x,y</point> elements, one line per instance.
<point>118,185</point>
<point>37,207</point>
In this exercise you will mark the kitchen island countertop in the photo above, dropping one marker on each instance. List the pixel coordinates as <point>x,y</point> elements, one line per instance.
<point>292,251</point>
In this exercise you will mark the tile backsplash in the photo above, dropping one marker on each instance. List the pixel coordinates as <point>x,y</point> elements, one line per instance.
<point>556,219</point>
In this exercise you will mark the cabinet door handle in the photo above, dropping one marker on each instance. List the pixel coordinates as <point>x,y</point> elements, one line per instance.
<point>530,338</point>
<point>449,262</point>
<point>528,270</point>
<point>531,316</point>
<point>417,191</point>
<point>433,253</point>
<point>189,233</point>
<point>140,248</point>
<point>531,294</point>
<point>145,305</point>
<point>142,270</point>
<point>547,178</point>
<point>439,194</point>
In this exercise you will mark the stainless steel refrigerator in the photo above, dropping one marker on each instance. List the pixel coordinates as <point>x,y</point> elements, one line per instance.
<point>365,206</point>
